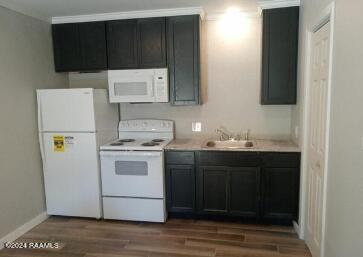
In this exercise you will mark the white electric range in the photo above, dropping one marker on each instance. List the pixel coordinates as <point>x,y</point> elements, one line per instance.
<point>132,171</point>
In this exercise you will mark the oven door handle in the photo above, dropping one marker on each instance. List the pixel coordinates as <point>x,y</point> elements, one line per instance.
<point>130,153</point>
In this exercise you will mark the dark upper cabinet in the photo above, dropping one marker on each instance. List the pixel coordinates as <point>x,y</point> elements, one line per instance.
<point>122,44</point>
<point>152,46</point>
<point>279,56</point>
<point>93,45</point>
<point>160,42</point>
<point>183,34</point>
<point>180,181</point>
<point>137,43</point>
<point>66,46</point>
<point>79,46</point>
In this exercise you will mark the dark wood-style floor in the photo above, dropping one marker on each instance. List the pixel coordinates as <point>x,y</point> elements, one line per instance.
<point>176,238</point>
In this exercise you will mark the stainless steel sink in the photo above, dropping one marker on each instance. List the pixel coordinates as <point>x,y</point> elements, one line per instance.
<point>231,144</point>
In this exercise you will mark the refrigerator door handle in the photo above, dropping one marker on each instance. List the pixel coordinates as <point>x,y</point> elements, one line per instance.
<point>40,121</point>
<point>42,153</point>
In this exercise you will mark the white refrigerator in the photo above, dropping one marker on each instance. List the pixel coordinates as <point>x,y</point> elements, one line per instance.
<point>73,123</point>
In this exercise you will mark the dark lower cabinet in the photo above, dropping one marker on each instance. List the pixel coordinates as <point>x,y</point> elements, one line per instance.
<point>280,193</point>
<point>230,190</point>
<point>79,46</point>
<point>258,186</point>
<point>180,187</point>
<point>214,185</point>
<point>180,182</point>
<point>244,191</point>
<point>183,34</point>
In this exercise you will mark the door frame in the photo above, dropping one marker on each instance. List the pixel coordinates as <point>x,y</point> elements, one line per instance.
<point>327,15</point>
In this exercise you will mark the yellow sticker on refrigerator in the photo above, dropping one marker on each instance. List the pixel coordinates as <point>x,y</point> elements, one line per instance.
<point>58,144</point>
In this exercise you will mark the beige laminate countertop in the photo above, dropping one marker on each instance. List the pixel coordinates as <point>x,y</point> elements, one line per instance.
<point>197,144</point>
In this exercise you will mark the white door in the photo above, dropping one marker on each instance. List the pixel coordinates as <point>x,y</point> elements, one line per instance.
<point>132,174</point>
<point>69,110</point>
<point>71,174</point>
<point>318,105</point>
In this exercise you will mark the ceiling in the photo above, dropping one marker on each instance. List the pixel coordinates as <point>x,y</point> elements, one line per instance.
<point>46,9</point>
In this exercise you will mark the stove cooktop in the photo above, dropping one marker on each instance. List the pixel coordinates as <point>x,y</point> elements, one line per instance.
<point>129,144</point>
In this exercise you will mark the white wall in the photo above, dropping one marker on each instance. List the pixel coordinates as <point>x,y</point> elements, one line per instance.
<point>26,63</point>
<point>231,67</point>
<point>344,229</point>
<point>344,234</point>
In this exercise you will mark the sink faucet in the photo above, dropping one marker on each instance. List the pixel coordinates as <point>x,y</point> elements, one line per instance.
<point>247,137</point>
<point>224,134</point>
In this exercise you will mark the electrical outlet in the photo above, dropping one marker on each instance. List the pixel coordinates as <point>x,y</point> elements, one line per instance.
<point>197,126</point>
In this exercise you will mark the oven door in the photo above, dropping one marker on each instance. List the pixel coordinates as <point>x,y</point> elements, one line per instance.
<point>132,174</point>
<point>131,89</point>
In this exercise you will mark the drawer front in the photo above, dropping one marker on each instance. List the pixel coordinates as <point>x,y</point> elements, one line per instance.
<point>176,157</point>
<point>134,209</point>
<point>230,159</point>
<point>285,160</point>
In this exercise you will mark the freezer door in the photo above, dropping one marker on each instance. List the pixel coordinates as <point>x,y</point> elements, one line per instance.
<point>69,110</point>
<point>71,174</point>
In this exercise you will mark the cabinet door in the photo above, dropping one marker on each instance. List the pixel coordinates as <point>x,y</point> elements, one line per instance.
<point>214,187</point>
<point>280,193</point>
<point>244,191</point>
<point>93,45</point>
<point>279,64</point>
<point>66,46</point>
<point>183,59</point>
<point>151,40</point>
<point>180,188</point>
<point>122,44</point>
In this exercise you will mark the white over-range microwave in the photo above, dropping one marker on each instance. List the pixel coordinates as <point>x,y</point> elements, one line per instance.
<point>138,86</point>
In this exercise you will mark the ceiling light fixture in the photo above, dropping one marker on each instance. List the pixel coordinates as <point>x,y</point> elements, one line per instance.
<point>233,23</point>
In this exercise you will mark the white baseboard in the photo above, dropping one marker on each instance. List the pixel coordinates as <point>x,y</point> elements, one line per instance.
<point>297,228</point>
<point>12,236</point>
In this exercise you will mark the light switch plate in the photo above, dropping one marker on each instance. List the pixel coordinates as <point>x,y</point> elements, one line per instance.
<point>197,126</point>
